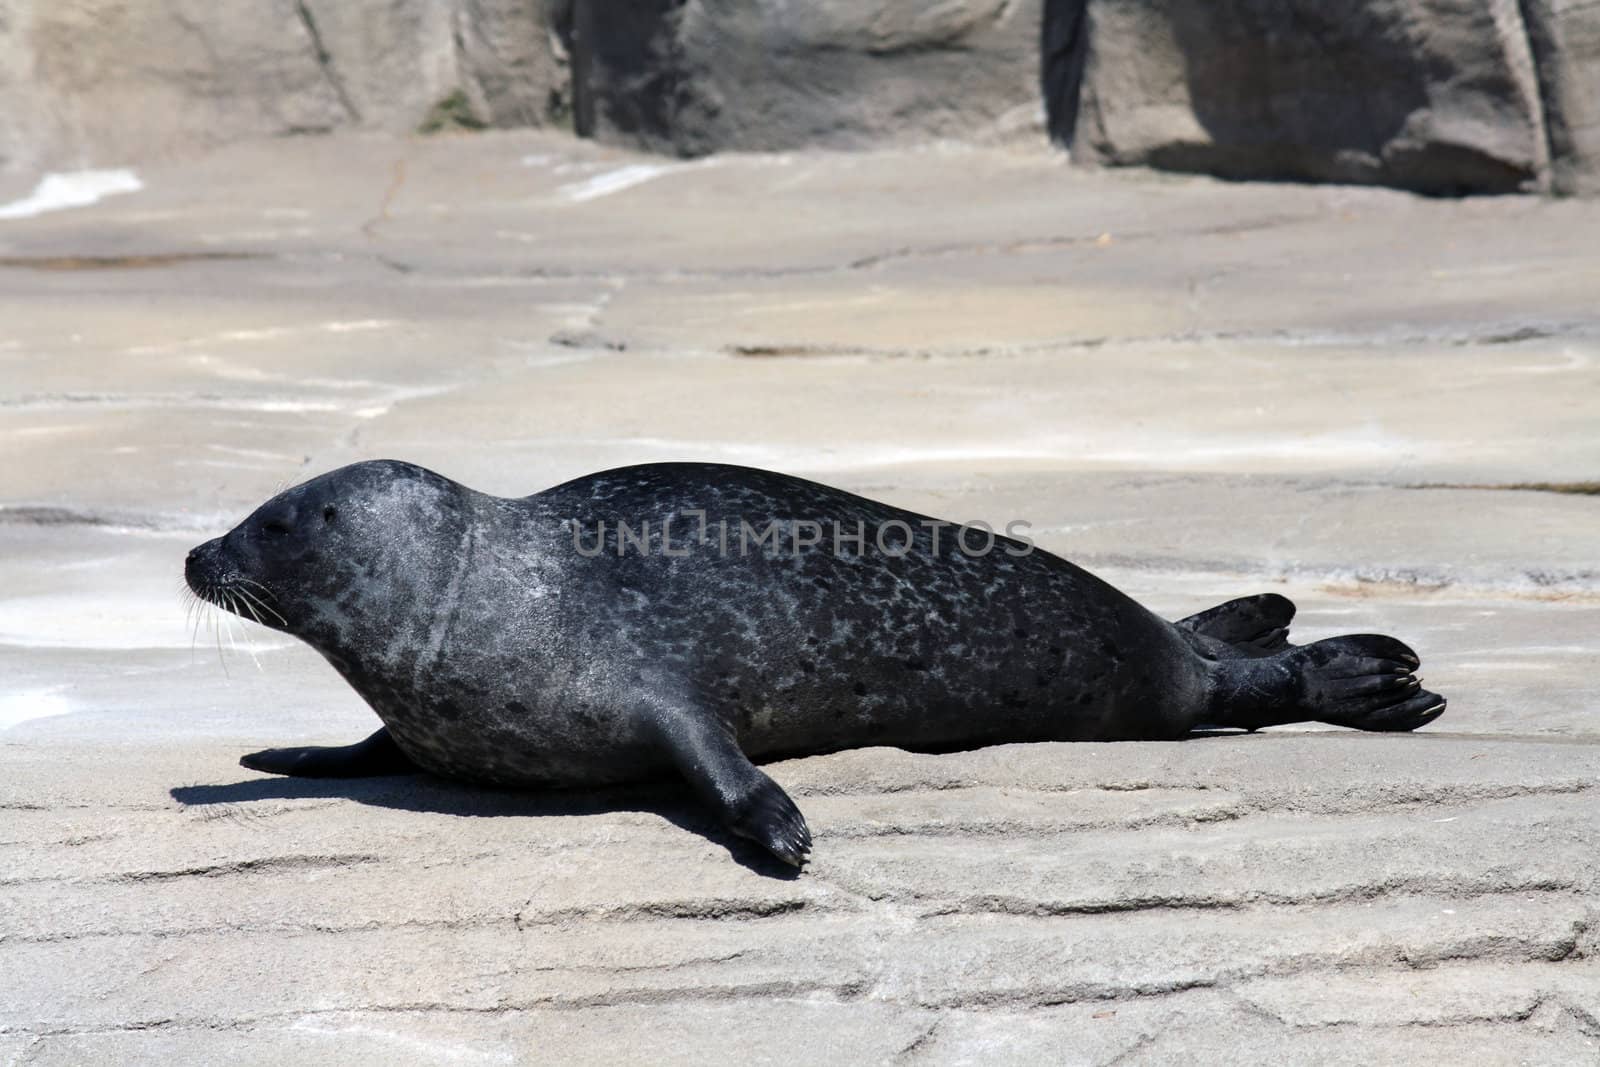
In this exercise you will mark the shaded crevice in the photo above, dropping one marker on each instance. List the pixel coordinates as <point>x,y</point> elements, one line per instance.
<point>134,261</point>
<point>269,864</point>
<point>397,180</point>
<point>862,989</point>
<point>1378,800</point>
<point>289,930</point>
<point>26,515</point>
<point>1021,831</point>
<point>1513,1016</point>
<point>1569,488</point>
<point>713,910</point>
<point>1539,52</point>
<point>874,260</point>
<point>1134,1052</point>
<point>920,1042</point>
<point>848,993</point>
<point>1584,1018</point>
<point>1459,890</point>
<point>324,60</point>
<point>1063,54</point>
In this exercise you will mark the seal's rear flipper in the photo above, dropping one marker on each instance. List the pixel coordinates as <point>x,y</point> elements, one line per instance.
<point>377,755</point>
<point>1260,623</point>
<point>1363,681</point>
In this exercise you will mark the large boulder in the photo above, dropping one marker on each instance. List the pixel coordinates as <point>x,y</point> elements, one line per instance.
<point>95,81</point>
<point>694,76</point>
<point>110,80</point>
<point>513,62</point>
<point>1439,96</point>
<point>1565,35</point>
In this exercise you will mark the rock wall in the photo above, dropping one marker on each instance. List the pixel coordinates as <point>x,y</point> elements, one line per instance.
<point>1440,96</point>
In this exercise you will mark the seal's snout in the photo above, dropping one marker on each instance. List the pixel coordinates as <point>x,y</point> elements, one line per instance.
<point>201,567</point>
<point>222,572</point>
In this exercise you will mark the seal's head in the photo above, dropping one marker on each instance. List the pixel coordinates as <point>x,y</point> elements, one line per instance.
<point>336,552</point>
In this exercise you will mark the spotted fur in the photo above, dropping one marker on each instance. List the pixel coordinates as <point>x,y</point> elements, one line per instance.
<point>511,641</point>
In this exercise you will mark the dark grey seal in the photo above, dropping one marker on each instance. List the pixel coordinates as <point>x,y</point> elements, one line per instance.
<point>695,617</point>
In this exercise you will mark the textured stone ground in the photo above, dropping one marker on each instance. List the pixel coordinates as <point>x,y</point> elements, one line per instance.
<point>1200,390</point>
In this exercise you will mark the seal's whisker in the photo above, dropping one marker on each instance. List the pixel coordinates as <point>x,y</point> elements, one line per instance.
<point>254,614</point>
<point>264,590</point>
<point>193,605</point>
<point>226,618</point>
<point>216,630</point>
<point>242,606</point>
<point>249,646</point>
<point>263,605</point>
<point>199,616</point>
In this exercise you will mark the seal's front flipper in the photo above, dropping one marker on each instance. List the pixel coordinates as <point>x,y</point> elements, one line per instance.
<point>1363,681</point>
<point>748,802</point>
<point>1257,622</point>
<point>377,755</point>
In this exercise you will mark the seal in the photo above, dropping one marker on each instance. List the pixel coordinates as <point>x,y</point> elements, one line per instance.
<point>696,617</point>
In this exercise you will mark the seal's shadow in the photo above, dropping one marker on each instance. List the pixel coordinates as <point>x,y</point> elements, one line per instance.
<point>422,792</point>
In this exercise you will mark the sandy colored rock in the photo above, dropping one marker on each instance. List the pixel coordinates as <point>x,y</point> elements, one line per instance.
<point>102,82</point>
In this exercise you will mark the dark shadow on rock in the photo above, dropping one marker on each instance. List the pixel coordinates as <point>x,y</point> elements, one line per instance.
<point>421,792</point>
<point>1308,91</point>
<point>1299,91</point>
<point>1063,50</point>
<point>1294,92</point>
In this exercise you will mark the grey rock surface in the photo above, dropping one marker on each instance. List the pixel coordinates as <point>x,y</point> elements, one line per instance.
<point>513,60</point>
<point>1433,95</point>
<point>1565,37</point>
<point>1441,96</point>
<point>106,81</point>
<point>707,75</point>
<point>1198,389</point>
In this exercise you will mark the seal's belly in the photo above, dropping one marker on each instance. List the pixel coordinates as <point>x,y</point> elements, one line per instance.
<point>835,679</point>
<point>516,737</point>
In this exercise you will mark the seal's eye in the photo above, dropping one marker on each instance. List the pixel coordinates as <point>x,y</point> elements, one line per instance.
<point>276,527</point>
<point>329,513</point>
